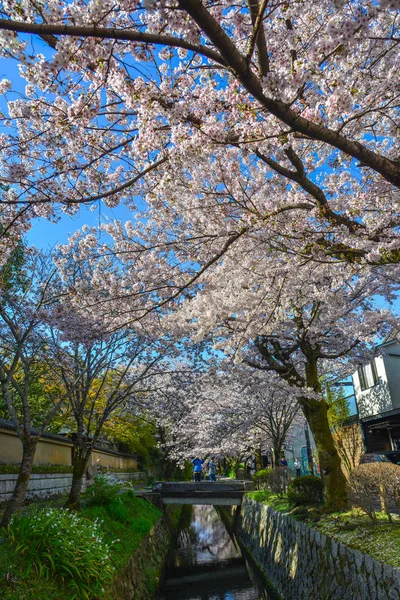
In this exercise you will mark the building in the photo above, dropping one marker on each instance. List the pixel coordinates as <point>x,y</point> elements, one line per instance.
<point>377,392</point>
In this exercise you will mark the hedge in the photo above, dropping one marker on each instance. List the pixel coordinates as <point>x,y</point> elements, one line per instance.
<point>307,489</point>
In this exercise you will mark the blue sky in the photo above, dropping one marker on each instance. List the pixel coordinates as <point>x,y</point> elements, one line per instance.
<point>45,235</point>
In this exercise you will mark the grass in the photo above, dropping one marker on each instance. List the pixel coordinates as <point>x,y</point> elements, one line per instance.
<point>353,527</point>
<point>278,503</point>
<point>124,522</point>
<point>17,583</point>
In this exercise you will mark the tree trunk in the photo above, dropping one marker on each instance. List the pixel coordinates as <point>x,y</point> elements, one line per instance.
<point>28,454</point>
<point>383,496</point>
<point>259,463</point>
<point>277,449</point>
<point>316,413</point>
<point>78,473</point>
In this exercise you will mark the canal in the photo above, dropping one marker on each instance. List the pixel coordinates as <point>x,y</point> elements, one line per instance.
<point>207,564</point>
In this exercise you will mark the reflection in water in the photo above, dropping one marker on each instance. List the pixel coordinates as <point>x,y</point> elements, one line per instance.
<point>206,564</point>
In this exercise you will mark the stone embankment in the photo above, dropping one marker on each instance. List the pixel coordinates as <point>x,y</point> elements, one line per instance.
<point>303,564</point>
<point>51,484</point>
<point>140,578</point>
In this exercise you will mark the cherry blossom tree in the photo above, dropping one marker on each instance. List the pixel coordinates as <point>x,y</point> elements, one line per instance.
<point>101,373</point>
<point>263,138</point>
<point>232,412</point>
<point>294,105</point>
<point>306,319</point>
<point>27,294</point>
<point>168,404</point>
<point>323,334</point>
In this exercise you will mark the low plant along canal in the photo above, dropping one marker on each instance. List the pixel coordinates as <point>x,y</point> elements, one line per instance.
<point>207,564</point>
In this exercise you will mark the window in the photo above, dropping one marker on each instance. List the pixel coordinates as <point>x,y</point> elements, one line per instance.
<point>367,375</point>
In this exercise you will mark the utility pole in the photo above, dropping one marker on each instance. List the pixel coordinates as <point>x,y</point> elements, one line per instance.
<point>309,451</point>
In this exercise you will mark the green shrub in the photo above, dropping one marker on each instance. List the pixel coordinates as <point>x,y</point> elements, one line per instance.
<point>118,510</point>
<point>141,525</point>
<point>61,542</point>
<point>230,472</point>
<point>104,490</point>
<point>278,480</point>
<point>261,478</point>
<point>131,470</point>
<point>307,489</point>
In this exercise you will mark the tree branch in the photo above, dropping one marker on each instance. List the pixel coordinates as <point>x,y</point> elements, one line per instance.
<point>389,169</point>
<point>258,36</point>
<point>92,31</point>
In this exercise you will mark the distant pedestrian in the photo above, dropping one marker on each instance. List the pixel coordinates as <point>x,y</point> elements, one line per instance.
<point>297,466</point>
<point>197,468</point>
<point>283,462</point>
<point>251,465</point>
<point>211,469</point>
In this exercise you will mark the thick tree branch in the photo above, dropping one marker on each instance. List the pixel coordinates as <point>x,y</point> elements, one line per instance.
<point>46,31</point>
<point>389,169</point>
<point>300,177</point>
<point>228,55</point>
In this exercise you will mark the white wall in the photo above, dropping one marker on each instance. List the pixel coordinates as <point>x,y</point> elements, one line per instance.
<point>377,399</point>
<point>392,366</point>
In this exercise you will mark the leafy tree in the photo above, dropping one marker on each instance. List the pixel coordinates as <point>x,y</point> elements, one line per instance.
<point>135,434</point>
<point>347,435</point>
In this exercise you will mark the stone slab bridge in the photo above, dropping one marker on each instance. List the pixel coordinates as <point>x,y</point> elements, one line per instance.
<point>221,493</point>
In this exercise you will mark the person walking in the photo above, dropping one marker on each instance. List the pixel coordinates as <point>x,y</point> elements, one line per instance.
<point>197,468</point>
<point>297,467</point>
<point>252,466</point>
<point>211,470</point>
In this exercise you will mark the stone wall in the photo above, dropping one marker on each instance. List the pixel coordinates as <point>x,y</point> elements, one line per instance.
<point>304,564</point>
<point>50,484</point>
<point>140,579</point>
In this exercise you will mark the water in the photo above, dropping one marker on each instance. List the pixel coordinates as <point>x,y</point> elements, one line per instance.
<point>207,564</point>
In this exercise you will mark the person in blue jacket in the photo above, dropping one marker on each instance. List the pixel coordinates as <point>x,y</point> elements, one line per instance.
<point>197,468</point>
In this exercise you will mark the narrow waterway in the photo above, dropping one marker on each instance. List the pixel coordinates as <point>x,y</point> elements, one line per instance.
<point>207,564</point>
